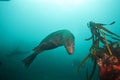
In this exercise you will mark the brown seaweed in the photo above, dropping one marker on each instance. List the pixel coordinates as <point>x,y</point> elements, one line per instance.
<point>84,60</point>
<point>96,51</point>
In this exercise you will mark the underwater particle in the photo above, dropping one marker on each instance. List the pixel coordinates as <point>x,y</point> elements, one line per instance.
<point>56,39</point>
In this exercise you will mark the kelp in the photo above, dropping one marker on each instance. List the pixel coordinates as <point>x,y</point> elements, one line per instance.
<point>93,71</point>
<point>106,43</point>
<point>83,61</point>
<point>99,34</point>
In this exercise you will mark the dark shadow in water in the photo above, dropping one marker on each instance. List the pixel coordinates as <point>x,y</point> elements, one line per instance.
<point>75,62</point>
<point>18,51</point>
<point>0,63</point>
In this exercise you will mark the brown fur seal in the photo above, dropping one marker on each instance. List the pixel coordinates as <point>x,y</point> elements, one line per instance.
<point>54,40</point>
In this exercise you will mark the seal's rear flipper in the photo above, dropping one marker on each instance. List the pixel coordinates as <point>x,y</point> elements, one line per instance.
<point>27,61</point>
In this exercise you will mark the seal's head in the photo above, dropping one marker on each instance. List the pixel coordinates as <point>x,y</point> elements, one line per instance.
<point>69,45</point>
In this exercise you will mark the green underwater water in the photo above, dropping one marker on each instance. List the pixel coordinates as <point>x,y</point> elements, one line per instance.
<point>24,23</point>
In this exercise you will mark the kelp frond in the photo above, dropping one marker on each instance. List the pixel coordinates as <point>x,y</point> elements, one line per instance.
<point>84,60</point>
<point>103,28</point>
<point>106,43</point>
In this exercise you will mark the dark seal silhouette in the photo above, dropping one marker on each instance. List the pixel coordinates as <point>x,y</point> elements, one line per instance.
<point>56,39</point>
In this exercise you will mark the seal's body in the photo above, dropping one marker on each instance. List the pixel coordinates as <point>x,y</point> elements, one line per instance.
<point>54,40</point>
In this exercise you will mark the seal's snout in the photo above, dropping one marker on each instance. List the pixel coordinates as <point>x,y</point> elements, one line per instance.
<point>70,49</point>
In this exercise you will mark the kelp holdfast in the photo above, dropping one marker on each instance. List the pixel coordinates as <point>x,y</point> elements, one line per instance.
<point>109,67</point>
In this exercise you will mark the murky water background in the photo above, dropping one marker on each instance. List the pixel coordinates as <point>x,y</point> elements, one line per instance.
<point>24,23</point>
